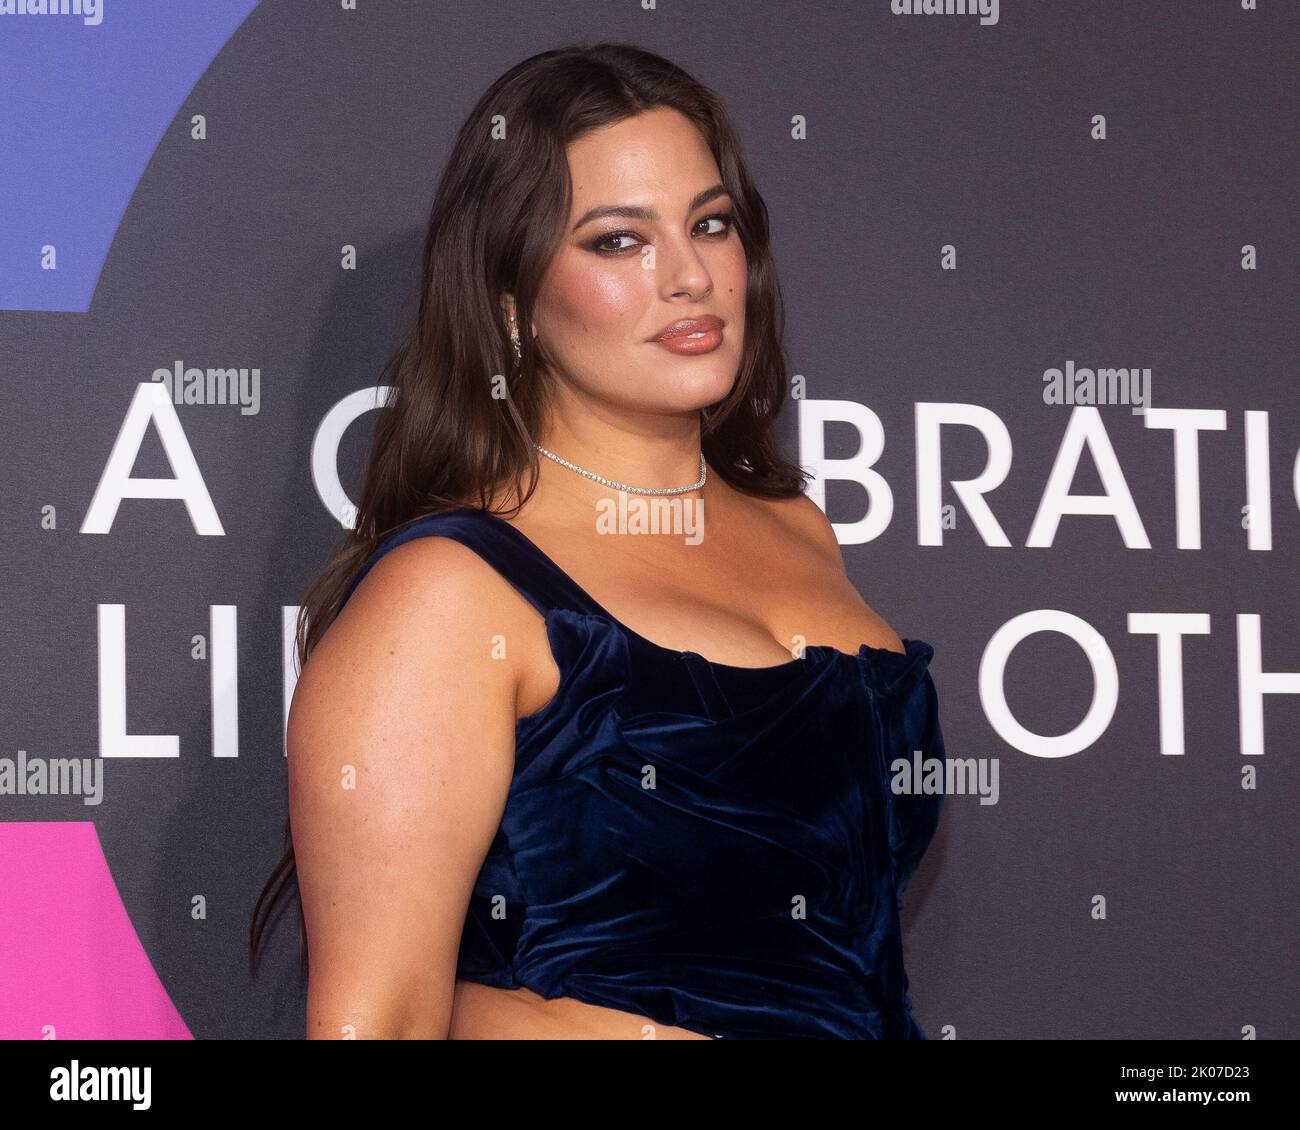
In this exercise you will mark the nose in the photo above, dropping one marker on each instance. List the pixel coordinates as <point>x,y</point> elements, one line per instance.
<point>684,274</point>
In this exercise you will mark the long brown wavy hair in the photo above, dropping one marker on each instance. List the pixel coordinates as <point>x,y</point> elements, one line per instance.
<point>443,439</point>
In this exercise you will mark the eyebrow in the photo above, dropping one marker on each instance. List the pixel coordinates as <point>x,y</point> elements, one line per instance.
<point>632,212</point>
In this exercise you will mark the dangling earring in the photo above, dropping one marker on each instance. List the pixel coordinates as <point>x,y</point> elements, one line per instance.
<point>514,340</point>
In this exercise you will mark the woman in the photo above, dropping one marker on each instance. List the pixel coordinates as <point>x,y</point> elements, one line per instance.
<point>518,814</point>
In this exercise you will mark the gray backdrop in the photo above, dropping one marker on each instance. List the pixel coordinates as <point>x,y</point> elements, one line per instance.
<point>950,225</point>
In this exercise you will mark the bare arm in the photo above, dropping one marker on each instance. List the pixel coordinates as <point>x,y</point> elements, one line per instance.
<point>401,751</point>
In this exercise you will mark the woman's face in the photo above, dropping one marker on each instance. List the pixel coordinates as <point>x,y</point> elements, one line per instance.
<point>618,280</point>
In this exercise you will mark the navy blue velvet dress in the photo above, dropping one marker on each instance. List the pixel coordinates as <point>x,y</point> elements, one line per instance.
<point>712,847</point>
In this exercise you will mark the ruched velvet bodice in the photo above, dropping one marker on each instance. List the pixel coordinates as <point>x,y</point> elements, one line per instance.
<point>713,847</point>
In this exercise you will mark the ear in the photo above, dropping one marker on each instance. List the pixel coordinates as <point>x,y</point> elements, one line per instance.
<point>508,308</point>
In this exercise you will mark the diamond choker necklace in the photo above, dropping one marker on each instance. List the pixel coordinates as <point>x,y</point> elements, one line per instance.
<point>704,474</point>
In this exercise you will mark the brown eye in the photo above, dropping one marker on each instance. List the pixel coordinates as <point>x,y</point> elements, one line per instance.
<point>727,219</point>
<point>600,244</point>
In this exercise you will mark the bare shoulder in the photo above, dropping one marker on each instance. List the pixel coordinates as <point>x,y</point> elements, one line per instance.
<point>417,667</point>
<point>427,603</point>
<point>804,519</point>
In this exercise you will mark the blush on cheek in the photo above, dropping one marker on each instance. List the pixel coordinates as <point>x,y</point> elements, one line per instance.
<point>593,301</point>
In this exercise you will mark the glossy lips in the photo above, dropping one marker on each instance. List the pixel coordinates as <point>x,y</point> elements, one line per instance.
<point>691,335</point>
